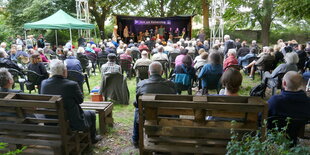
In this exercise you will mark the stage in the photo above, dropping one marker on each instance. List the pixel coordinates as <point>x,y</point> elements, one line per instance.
<point>140,28</point>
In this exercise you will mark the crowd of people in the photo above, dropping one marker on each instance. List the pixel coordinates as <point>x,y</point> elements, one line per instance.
<point>191,63</point>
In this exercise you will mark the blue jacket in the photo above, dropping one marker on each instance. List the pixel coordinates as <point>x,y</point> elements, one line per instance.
<point>209,69</point>
<point>290,104</point>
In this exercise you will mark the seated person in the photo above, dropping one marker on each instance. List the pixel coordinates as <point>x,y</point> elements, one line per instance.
<point>42,55</point>
<point>231,59</point>
<point>266,55</point>
<point>291,60</point>
<point>184,73</point>
<point>154,85</point>
<point>160,55</point>
<point>111,66</point>
<point>37,66</point>
<point>179,58</point>
<point>293,101</point>
<point>81,56</point>
<point>79,119</point>
<point>202,60</point>
<point>143,61</point>
<point>213,67</point>
<point>244,50</point>
<point>6,62</point>
<point>126,57</point>
<point>72,63</point>
<point>6,81</point>
<point>231,80</point>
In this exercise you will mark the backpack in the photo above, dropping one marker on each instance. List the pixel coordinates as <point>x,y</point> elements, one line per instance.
<point>183,78</point>
<point>258,90</point>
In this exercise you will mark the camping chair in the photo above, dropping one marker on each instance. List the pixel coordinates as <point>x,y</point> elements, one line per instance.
<point>295,127</point>
<point>101,61</point>
<point>275,82</point>
<point>142,73</point>
<point>182,87</point>
<point>33,79</point>
<point>126,66</point>
<point>165,65</point>
<point>135,55</point>
<point>172,57</point>
<point>18,77</point>
<point>79,78</point>
<point>213,82</point>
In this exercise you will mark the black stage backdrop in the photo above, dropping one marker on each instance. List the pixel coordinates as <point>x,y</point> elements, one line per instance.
<point>140,24</point>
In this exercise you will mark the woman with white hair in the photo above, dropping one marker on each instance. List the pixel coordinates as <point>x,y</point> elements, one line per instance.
<point>231,59</point>
<point>291,60</point>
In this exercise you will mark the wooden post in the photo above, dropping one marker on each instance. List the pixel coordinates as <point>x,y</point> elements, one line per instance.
<point>56,38</point>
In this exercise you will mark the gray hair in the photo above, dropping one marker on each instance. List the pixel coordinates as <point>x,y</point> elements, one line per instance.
<point>155,68</point>
<point>19,47</point>
<point>231,51</point>
<point>226,37</point>
<point>5,77</point>
<point>291,58</point>
<point>293,80</point>
<point>160,49</point>
<point>80,50</point>
<point>57,67</point>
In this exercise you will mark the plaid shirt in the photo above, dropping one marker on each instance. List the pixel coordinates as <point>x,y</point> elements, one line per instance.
<point>126,57</point>
<point>110,67</point>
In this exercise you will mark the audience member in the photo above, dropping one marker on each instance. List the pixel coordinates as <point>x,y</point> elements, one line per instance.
<point>293,101</point>
<point>6,62</point>
<point>160,55</point>
<point>155,84</point>
<point>126,57</point>
<point>231,80</point>
<point>111,66</point>
<point>243,50</point>
<point>42,55</point>
<point>184,73</point>
<point>179,58</point>
<point>228,44</point>
<point>6,81</point>
<point>231,59</point>
<point>79,119</point>
<point>143,61</point>
<point>72,63</point>
<point>202,59</point>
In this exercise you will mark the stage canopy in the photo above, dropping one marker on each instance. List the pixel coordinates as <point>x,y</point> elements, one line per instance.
<point>59,20</point>
<point>138,24</point>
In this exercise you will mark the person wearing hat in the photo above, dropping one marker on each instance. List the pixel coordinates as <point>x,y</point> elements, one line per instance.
<point>143,61</point>
<point>110,66</point>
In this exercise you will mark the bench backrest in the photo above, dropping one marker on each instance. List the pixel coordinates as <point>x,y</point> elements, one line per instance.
<point>21,123</point>
<point>196,124</point>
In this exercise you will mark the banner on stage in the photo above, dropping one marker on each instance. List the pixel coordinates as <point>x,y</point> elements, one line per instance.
<point>152,22</point>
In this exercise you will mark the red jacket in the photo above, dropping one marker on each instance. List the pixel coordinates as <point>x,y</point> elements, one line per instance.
<point>231,60</point>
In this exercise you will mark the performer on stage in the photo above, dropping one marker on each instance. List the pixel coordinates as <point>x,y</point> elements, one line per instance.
<point>161,32</point>
<point>115,35</point>
<point>177,32</point>
<point>126,34</point>
<point>147,34</point>
<point>140,37</point>
<point>183,33</point>
<point>156,31</point>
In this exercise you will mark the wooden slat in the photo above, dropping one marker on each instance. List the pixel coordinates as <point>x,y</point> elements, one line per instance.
<point>186,149</point>
<point>94,108</point>
<point>208,123</point>
<point>192,132</point>
<point>26,103</point>
<point>230,99</point>
<point>198,141</point>
<point>29,127</point>
<point>94,105</point>
<point>26,141</point>
<point>175,111</point>
<point>31,134</point>
<point>37,151</point>
<point>89,102</point>
<point>10,96</point>
<point>238,107</point>
<point>41,120</point>
<point>41,111</point>
<point>35,97</point>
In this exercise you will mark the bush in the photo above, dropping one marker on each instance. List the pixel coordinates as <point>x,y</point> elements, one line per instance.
<point>275,143</point>
<point>4,145</point>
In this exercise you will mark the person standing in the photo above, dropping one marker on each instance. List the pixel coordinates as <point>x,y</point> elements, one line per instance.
<point>126,34</point>
<point>41,42</point>
<point>81,41</point>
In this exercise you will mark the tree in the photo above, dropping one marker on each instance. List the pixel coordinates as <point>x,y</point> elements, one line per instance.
<point>294,10</point>
<point>102,9</point>
<point>205,12</point>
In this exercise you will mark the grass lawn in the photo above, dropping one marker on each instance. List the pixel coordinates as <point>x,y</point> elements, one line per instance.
<point>118,139</point>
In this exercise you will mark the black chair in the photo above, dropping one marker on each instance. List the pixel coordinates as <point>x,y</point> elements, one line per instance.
<point>33,79</point>
<point>84,62</point>
<point>295,126</point>
<point>267,66</point>
<point>248,61</point>
<point>79,78</point>
<point>126,66</point>
<point>142,73</point>
<point>135,55</point>
<point>172,57</point>
<point>275,82</point>
<point>181,87</point>
<point>165,65</point>
<point>18,77</point>
<point>192,55</point>
<point>101,61</point>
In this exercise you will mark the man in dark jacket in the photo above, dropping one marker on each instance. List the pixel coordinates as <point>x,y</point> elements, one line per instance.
<point>6,81</point>
<point>6,62</point>
<point>154,85</point>
<point>72,97</point>
<point>292,102</point>
<point>228,44</point>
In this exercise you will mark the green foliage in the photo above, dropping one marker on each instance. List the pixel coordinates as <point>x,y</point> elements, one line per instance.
<point>4,145</point>
<point>275,143</point>
<point>294,10</point>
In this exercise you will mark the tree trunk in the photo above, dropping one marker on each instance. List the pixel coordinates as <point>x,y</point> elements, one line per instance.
<point>162,13</point>
<point>99,17</point>
<point>266,21</point>
<point>205,13</point>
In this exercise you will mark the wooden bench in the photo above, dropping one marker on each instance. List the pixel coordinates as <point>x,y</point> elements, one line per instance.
<point>104,110</point>
<point>195,124</point>
<point>50,134</point>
